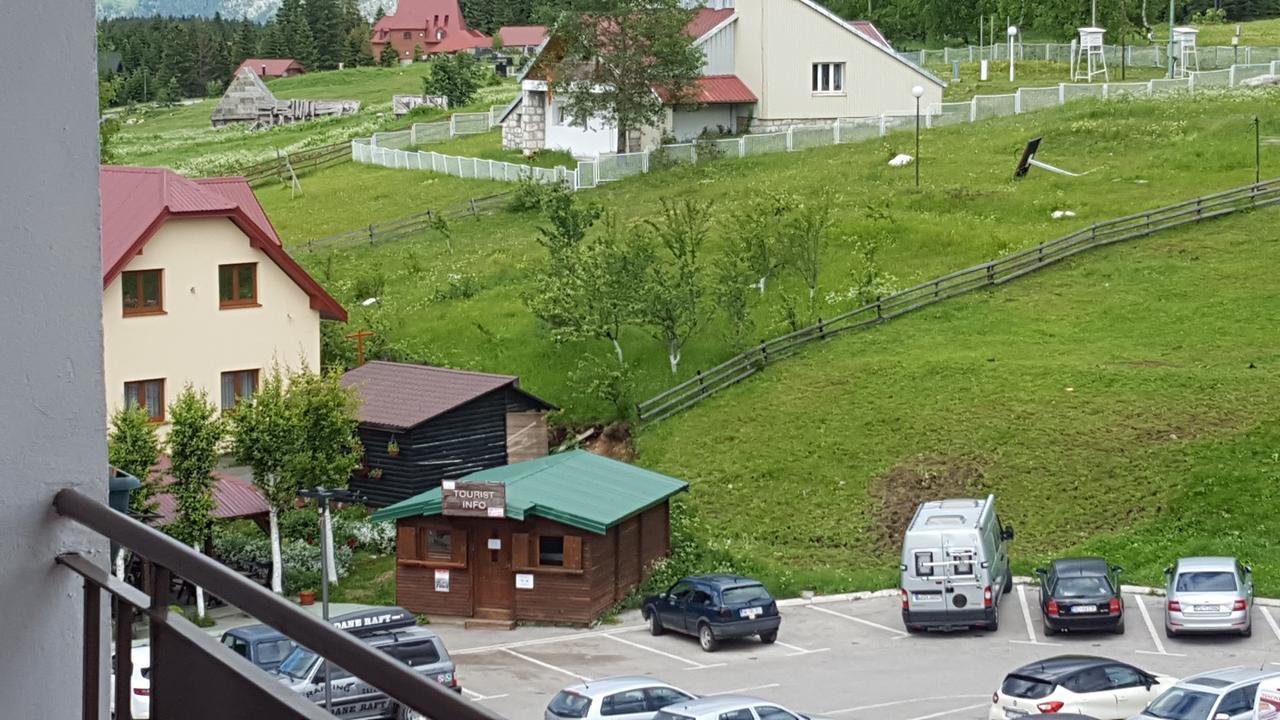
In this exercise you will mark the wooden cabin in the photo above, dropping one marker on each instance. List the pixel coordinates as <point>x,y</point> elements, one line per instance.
<point>557,539</point>
<point>422,425</point>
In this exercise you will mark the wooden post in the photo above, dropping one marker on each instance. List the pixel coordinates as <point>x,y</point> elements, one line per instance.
<point>360,335</point>
<point>474,214</point>
<point>822,333</point>
<point>371,234</point>
<point>879,310</point>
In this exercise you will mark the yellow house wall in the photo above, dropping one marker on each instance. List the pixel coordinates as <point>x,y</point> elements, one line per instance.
<point>195,341</point>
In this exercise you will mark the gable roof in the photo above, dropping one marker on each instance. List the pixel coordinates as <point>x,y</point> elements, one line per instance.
<point>706,20</point>
<point>233,497</point>
<point>576,488</point>
<point>522,35</point>
<point>427,17</point>
<point>868,28</point>
<point>136,202</point>
<point>884,48</point>
<point>275,67</point>
<point>401,396</point>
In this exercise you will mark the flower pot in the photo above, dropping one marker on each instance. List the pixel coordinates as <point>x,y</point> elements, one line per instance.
<point>307,597</point>
<point>393,453</point>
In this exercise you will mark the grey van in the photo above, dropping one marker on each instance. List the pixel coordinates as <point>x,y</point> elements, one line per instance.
<point>955,565</point>
<point>392,630</point>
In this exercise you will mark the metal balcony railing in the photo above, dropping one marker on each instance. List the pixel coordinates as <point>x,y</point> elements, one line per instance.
<point>193,676</point>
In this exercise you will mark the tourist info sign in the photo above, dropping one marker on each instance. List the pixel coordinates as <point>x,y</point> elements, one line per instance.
<point>473,499</point>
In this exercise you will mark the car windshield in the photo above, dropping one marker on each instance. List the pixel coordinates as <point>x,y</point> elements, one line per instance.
<point>298,663</point>
<point>744,594</point>
<point>1078,587</point>
<point>1182,704</point>
<point>1217,581</point>
<point>569,705</point>
<point>1020,686</point>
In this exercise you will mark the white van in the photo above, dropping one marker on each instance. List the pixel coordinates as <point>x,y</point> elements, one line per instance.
<point>955,565</point>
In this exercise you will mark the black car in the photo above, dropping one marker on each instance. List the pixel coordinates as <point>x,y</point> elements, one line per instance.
<point>714,607</point>
<point>1081,594</point>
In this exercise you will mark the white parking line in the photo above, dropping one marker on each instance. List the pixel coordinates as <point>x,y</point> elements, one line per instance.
<point>750,688</point>
<point>656,651</point>
<point>799,650</point>
<point>546,641</point>
<point>1270,621</point>
<point>1151,628</point>
<point>886,628</point>
<point>477,697</point>
<point>1026,618</point>
<point>908,701</point>
<point>948,712</point>
<point>546,665</point>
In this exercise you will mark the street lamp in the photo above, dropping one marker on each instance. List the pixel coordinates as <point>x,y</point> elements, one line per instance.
<point>1013,33</point>
<point>917,92</point>
<point>322,496</point>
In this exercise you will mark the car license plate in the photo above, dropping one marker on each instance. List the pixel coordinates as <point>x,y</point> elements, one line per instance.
<point>1206,608</point>
<point>1084,609</point>
<point>1014,712</point>
<point>751,613</point>
<point>925,597</point>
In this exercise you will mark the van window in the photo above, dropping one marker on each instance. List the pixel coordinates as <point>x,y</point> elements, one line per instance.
<point>963,562</point>
<point>924,564</point>
<point>337,673</point>
<point>240,646</point>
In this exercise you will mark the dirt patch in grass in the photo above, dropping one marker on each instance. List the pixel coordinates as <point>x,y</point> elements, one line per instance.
<point>896,493</point>
<point>614,441</point>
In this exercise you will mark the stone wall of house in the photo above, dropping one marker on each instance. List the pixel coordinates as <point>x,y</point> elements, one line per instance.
<point>512,132</point>
<point>533,121</point>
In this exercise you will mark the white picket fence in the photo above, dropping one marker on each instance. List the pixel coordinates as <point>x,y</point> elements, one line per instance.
<point>1210,56</point>
<point>388,149</point>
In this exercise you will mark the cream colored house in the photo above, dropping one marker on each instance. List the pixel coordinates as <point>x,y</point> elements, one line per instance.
<point>768,64</point>
<point>198,289</point>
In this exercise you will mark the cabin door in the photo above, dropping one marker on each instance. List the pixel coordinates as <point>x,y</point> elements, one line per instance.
<point>495,585</point>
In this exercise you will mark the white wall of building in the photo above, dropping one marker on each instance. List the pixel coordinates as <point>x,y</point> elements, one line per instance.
<point>687,125</point>
<point>194,340</point>
<point>596,138</point>
<point>718,51</point>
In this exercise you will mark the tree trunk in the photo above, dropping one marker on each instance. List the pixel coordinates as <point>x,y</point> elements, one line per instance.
<point>673,354</point>
<point>199,590</point>
<point>277,573</point>
<point>120,564</point>
<point>762,279</point>
<point>617,349</point>
<point>328,546</point>
<point>812,289</point>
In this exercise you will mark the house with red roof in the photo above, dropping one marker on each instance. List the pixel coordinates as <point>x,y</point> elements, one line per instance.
<point>522,38</point>
<point>427,27</point>
<point>197,288</point>
<point>767,65</point>
<point>267,68</point>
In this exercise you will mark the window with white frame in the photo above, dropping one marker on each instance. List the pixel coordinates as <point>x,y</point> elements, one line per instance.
<point>828,77</point>
<point>558,115</point>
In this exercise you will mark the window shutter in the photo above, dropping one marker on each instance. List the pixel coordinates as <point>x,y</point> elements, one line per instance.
<point>458,541</point>
<point>406,542</point>
<point>520,550</point>
<point>572,552</point>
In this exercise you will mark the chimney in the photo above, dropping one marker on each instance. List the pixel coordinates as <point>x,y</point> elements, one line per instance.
<point>264,70</point>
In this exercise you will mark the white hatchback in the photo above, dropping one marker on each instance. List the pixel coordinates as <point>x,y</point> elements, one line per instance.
<point>139,683</point>
<point>1094,686</point>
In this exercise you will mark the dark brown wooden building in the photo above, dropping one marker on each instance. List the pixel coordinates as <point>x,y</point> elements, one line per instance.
<point>422,425</point>
<point>557,539</point>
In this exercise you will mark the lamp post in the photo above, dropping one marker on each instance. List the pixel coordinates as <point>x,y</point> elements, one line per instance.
<point>1013,33</point>
<point>322,496</point>
<point>917,92</point>
<point>1173,52</point>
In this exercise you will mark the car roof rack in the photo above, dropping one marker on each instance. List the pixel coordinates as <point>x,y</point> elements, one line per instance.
<point>373,620</point>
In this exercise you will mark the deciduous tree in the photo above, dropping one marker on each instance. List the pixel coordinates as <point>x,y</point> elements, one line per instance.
<point>134,447</point>
<point>195,433</point>
<point>676,308</point>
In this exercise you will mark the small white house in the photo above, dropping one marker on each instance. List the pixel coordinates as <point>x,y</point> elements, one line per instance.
<point>768,64</point>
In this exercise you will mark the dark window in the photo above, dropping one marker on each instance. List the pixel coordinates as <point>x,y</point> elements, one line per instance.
<point>408,35</point>
<point>924,564</point>
<point>771,712</point>
<point>739,714</point>
<point>238,285</point>
<point>148,395</point>
<point>680,591</point>
<point>551,550</point>
<point>1082,587</point>
<point>1089,680</point>
<point>828,77</point>
<point>142,291</point>
<point>569,705</point>
<point>744,594</point>
<point>274,651</point>
<point>1123,676</point>
<point>1020,686</point>
<point>439,544</point>
<point>623,703</point>
<point>1206,582</point>
<point>415,654</point>
<point>1238,701</point>
<point>236,644</point>
<point>700,597</point>
<point>963,562</point>
<point>657,698</point>
<point>237,385</point>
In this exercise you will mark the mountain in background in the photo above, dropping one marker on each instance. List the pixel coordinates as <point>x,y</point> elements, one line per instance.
<point>257,10</point>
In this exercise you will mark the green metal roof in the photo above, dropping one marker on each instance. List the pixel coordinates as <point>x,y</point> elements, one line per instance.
<point>577,488</point>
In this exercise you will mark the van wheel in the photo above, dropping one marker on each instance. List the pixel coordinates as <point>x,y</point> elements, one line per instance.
<point>707,639</point>
<point>404,713</point>
<point>1008,579</point>
<point>655,622</point>
<point>994,625</point>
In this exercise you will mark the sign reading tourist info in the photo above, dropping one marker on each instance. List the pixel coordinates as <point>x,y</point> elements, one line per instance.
<point>473,499</point>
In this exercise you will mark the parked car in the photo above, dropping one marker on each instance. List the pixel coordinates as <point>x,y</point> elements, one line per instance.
<point>1208,594</point>
<point>617,698</point>
<point>139,683</point>
<point>1226,694</point>
<point>1081,594</point>
<point>730,707</point>
<point>391,630</point>
<point>1095,686</point>
<point>713,608</point>
<point>955,565</point>
<point>261,644</point>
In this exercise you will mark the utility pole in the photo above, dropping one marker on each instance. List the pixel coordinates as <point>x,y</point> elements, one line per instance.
<point>360,335</point>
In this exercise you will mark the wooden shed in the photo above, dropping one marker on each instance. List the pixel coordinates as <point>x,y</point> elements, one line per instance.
<point>422,425</point>
<point>558,539</point>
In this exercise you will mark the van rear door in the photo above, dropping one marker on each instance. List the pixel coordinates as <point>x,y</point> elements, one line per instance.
<point>963,585</point>
<point>922,577</point>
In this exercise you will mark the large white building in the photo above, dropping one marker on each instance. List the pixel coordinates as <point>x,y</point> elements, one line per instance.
<point>768,64</point>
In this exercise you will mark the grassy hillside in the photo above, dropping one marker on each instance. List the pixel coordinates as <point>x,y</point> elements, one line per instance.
<point>1255,32</point>
<point>465,308</point>
<point>1123,404</point>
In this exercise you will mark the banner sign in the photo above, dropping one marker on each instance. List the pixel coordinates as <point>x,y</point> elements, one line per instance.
<point>473,500</point>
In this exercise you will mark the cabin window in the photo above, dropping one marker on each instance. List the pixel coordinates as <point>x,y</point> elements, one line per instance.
<point>828,77</point>
<point>238,285</point>
<point>236,386</point>
<point>551,550</point>
<point>439,545</point>
<point>148,395</point>
<point>408,35</point>
<point>142,292</point>
<point>924,564</point>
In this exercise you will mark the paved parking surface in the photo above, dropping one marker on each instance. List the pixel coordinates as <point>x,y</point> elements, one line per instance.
<point>847,659</point>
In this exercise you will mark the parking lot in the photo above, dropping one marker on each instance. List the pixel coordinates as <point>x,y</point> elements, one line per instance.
<point>845,658</point>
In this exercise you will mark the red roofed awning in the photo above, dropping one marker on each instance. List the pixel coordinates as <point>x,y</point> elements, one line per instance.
<point>717,90</point>
<point>233,497</point>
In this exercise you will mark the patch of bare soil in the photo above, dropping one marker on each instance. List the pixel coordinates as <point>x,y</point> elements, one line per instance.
<point>614,441</point>
<point>896,493</point>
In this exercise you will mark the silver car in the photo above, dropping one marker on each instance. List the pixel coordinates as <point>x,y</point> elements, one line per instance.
<point>730,707</point>
<point>1226,694</point>
<point>1208,594</point>
<point>617,698</point>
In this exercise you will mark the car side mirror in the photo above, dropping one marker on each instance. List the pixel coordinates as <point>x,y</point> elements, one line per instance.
<point>1042,571</point>
<point>1117,569</point>
<point>1169,571</point>
<point>1248,569</point>
<point>1008,532</point>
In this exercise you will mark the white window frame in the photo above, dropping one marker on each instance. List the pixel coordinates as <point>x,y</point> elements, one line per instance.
<point>828,77</point>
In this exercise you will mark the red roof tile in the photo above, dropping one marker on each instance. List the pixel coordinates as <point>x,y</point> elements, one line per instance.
<point>866,27</point>
<point>403,396</point>
<point>705,20</point>
<point>522,35</point>
<point>137,201</point>
<point>233,497</point>
<point>718,90</point>
<point>275,67</point>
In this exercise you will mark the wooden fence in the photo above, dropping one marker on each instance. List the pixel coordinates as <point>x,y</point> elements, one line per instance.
<point>411,225</point>
<point>995,272</point>
<point>300,161</point>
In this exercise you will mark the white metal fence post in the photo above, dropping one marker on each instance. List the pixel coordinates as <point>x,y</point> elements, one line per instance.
<point>453,125</point>
<point>742,146</point>
<point>835,132</point>
<point>1017,102</point>
<point>1062,93</point>
<point>413,134</point>
<point>644,162</point>
<point>1231,76</point>
<point>973,110</point>
<point>789,137</point>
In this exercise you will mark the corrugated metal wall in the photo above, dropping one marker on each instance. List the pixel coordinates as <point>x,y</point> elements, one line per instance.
<point>718,50</point>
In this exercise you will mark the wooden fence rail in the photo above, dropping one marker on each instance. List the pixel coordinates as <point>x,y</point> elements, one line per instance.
<point>995,272</point>
<point>312,158</point>
<point>410,225</point>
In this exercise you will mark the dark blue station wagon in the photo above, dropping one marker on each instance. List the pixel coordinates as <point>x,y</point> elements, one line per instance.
<point>713,608</point>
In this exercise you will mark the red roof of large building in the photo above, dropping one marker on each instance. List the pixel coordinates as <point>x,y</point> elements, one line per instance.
<point>522,35</point>
<point>706,20</point>
<point>271,67</point>
<point>438,26</point>
<point>718,90</point>
<point>137,201</point>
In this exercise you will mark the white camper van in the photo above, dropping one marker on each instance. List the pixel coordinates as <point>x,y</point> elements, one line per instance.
<point>955,565</point>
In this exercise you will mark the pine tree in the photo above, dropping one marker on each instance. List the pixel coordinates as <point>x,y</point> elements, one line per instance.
<point>359,52</point>
<point>246,42</point>
<point>178,62</point>
<point>379,14</point>
<point>273,43</point>
<point>326,24</point>
<point>388,57</point>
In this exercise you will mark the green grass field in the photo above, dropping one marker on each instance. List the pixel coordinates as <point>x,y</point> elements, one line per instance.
<point>488,146</point>
<point>1027,74</point>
